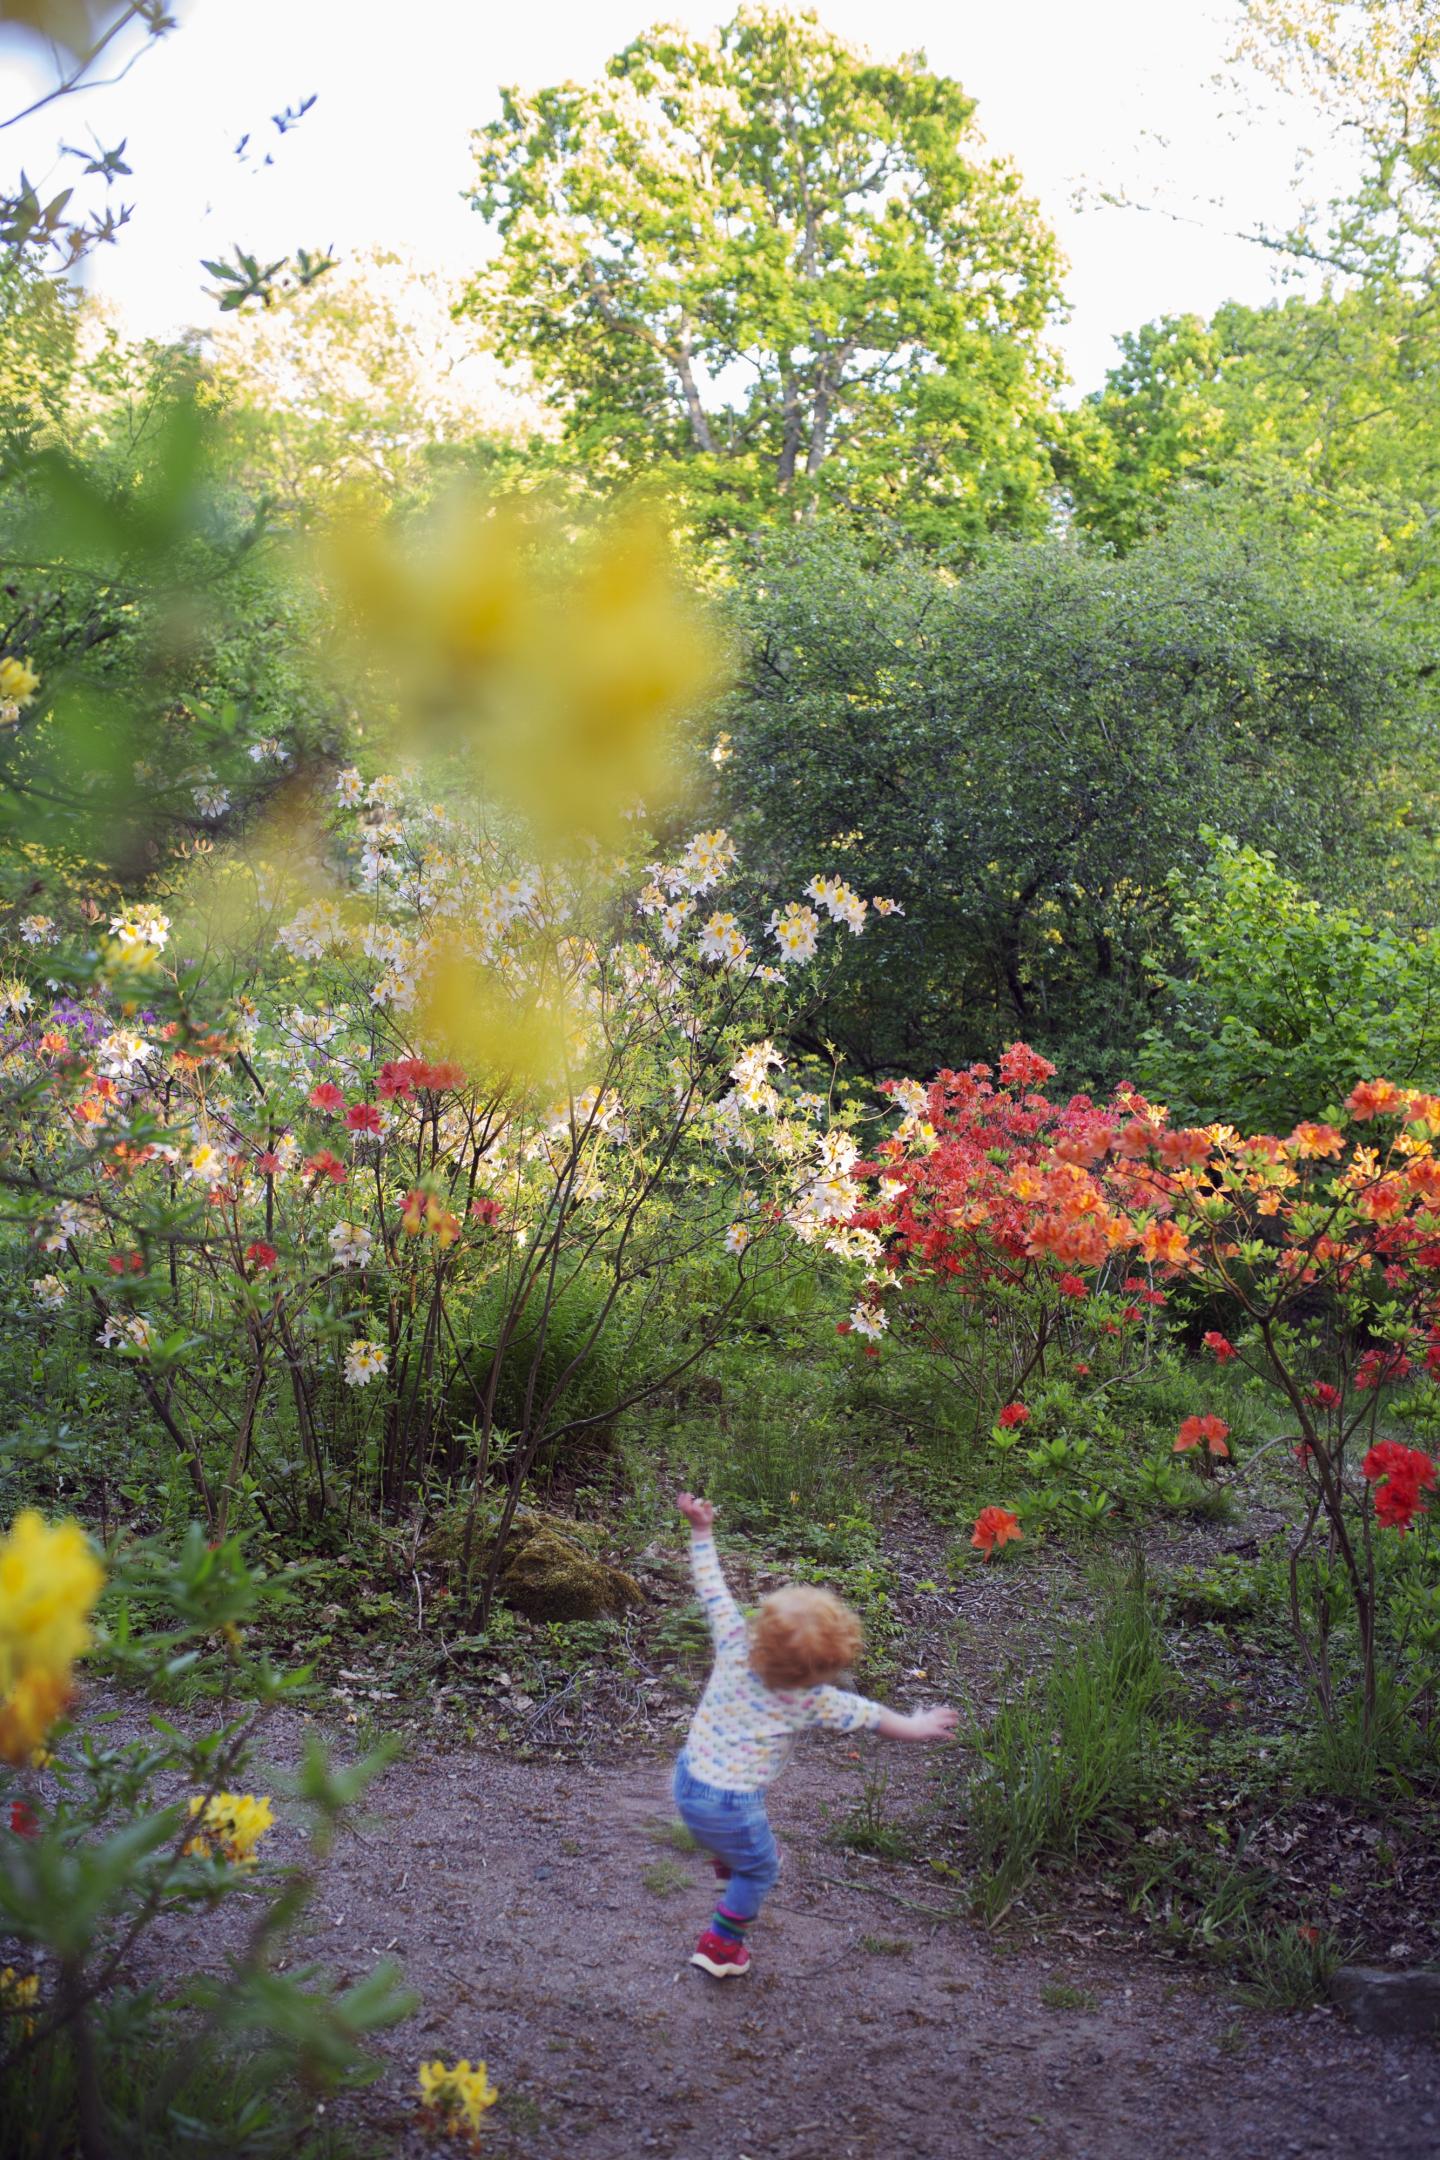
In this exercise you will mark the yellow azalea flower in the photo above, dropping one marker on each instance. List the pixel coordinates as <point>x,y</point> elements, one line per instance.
<point>49,1581</point>
<point>19,1994</point>
<point>459,2095</point>
<point>18,683</point>
<point>231,1825</point>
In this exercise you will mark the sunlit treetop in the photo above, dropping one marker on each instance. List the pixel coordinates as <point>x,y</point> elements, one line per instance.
<point>771,255</point>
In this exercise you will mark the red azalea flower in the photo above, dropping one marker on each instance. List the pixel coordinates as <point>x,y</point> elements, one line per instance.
<point>1220,1345</point>
<point>261,1256</point>
<point>446,1074</point>
<point>844,1327</point>
<point>872,1349</point>
<point>1325,1397</point>
<point>1209,1432</point>
<point>1014,1413</point>
<point>995,1527</point>
<point>126,1263</point>
<point>363,1117</point>
<point>1072,1286</point>
<point>22,1819</point>
<point>1400,1474</point>
<point>268,1164</point>
<point>324,1164</point>
<point>1082,1370</point>
<point>1022,1067</point>
<point>327,1097</point>
<point>485,1210</point>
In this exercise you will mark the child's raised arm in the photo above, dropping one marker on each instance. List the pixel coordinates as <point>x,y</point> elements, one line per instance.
<point>727,1622</point>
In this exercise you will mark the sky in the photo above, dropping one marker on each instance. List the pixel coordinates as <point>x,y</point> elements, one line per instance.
<point>1108,95</point>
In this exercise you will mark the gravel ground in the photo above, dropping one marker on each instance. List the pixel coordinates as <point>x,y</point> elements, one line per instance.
<point>546,1924</point>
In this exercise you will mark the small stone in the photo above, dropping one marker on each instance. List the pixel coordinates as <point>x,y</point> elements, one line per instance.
<point>1391,2004</point>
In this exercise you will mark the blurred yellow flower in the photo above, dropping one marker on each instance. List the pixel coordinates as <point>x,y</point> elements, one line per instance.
<point>18,1996</point>
<point>460,2095</point>
<point>230,1826</point>
<point>467,1012</point>
<point>18,683</point>
<point>559,685</point>
<point>49,1581</point>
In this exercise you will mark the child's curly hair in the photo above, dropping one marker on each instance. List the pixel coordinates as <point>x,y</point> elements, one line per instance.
<point>803,1635</point>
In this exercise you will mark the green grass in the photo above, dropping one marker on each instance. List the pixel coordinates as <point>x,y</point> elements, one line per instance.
<point>664,1877</point>
<point>1060,1995</point>
<point>870,1828</point>
<point>886,1945</point>
<point>1070,1751</point>
<point>673,1834</point>
<point>1287,1968</point>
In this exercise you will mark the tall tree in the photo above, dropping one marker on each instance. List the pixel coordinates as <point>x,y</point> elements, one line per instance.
<point>1313,419</point>
<point>1373,68</point>
<point>785,263</point>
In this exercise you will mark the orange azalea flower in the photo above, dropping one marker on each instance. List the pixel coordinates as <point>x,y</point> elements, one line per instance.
<point>1313,1142</point>
<point>1189,1146</point>
<point>1208,1432</point>
<point>1424,1176</point>
<point>1383,1201</point>
<point>443,1226</point>
<point>1165,1242</point>
<point>1374,1098</point>
<point>994,1527</point>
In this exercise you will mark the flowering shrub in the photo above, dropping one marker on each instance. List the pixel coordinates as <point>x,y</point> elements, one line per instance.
<point>417,1202</point>
<point>1004,1240</point>
<point>101,1852</point>
<point>1327,1241</point>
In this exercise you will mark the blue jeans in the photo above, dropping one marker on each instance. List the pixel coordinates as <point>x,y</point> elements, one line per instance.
<point>735,1828</point>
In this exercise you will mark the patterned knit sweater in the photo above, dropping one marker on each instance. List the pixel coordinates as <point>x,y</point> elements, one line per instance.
<point>743,1731</point>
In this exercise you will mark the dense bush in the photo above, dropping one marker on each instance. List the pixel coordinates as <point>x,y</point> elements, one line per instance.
<point>1284,1003</point>
<point>1024,753</point>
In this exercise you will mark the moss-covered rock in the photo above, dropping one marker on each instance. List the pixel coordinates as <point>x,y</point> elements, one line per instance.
<point>548,1577</point>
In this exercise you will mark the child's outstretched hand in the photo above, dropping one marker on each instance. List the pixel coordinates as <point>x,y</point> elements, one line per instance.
<point>935,1724</point>
<point>918,1724</point>
<point>698,1513</point>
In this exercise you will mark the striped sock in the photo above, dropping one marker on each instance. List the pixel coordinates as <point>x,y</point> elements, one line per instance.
<point>726,1924</point>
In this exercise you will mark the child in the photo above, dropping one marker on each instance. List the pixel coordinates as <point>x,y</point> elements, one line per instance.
<point>766,1684</point>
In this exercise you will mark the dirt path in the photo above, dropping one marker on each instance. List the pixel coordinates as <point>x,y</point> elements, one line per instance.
<point>515,1895</point>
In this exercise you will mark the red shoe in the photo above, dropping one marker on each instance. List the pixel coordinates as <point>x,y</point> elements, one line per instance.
<point>721,1956</point>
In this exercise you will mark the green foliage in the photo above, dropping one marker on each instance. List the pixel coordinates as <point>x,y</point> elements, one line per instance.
<point>1309,421</point>
<point>1024,755</point>
<point>771,200</point>
<point>112,1853</point>
<point>1285,1003</point>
